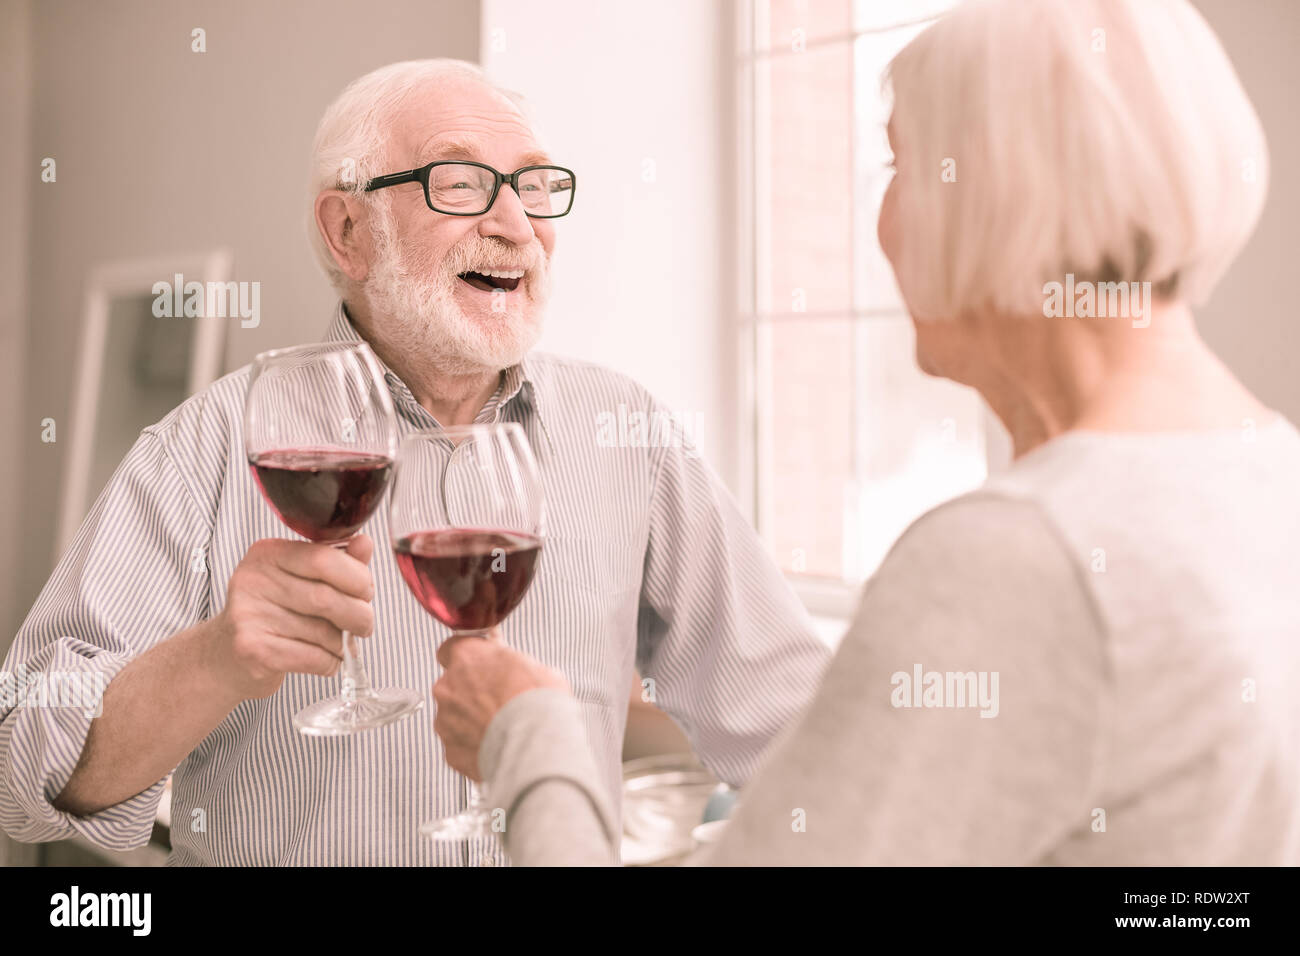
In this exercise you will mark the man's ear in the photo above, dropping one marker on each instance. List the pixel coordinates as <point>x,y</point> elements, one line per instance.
<point>339,217</point>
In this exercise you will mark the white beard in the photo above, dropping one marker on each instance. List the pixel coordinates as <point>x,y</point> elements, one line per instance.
<point>416,313</point>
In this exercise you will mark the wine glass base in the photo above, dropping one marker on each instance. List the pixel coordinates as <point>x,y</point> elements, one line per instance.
<point>466,825</point>
<point>338,718</point>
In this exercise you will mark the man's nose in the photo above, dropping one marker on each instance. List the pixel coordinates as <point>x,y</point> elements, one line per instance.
<point>507,219</point>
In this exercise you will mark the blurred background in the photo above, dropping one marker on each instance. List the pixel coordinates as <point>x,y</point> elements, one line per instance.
<point>722,249</point>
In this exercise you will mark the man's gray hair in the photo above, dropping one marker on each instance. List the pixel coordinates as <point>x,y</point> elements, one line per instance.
<point>353,141</point>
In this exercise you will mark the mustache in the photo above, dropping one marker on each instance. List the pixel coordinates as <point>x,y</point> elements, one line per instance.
<point>473,253</point>
<point>479,254</point>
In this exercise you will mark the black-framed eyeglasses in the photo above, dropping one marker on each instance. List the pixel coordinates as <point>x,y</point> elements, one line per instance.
<point>457,188</point>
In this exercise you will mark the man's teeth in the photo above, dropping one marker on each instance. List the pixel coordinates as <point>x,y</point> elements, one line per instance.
<point>497,273</point>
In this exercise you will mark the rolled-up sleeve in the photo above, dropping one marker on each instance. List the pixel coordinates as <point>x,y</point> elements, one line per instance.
<point>729,650</point>
<point>135,574</point>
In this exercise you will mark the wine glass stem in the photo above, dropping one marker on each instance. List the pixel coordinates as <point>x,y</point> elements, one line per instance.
<point>356,682</point>
<point>478,804</point>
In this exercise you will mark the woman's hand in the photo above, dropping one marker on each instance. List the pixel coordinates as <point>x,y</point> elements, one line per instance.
<point>479,676</point>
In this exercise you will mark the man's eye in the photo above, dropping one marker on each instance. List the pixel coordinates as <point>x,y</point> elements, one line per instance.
<point>460,186</point>
<point>530,187</point>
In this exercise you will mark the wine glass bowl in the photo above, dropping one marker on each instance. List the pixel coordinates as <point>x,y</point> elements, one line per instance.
<point>324,494</point>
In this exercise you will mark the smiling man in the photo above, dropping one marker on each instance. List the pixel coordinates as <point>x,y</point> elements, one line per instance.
<point>434,212</point>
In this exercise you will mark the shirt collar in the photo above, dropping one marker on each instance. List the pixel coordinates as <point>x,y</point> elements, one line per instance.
<point>517,382</point>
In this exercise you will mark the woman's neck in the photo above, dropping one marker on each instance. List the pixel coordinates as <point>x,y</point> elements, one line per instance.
<point>1050,376</point>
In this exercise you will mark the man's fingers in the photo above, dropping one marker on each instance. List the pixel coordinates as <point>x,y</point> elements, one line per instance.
<point>309,630</point>
<point>318,599</point>
<point>299,657</point>
<point>338,568</point>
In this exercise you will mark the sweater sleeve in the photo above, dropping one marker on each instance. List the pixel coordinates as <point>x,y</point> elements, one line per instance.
<point>539,770</point>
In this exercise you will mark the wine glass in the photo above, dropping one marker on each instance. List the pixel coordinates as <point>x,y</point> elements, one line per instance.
<point>320,435</point>
<point>467,523</point>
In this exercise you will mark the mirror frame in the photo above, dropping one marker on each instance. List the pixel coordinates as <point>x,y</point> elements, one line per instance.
<point>106,282</point>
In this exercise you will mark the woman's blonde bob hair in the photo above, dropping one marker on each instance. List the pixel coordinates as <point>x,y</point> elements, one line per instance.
<point>1108,139</point>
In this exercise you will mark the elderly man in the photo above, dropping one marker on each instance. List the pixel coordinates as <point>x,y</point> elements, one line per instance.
<point>212,628</point>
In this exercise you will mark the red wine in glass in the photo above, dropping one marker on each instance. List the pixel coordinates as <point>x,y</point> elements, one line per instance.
<point>468,578</point>
<point>323,494</point>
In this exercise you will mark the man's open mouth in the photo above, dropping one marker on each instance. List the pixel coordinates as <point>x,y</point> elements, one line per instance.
<point>493,279</point>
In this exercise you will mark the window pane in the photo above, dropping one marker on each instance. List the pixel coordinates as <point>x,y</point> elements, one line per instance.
<point>807,437</point>
<point>874,285</point>
<point>804,136</point>
<point>854,441</point>
<point>857,442</point>
<point>919,441</point>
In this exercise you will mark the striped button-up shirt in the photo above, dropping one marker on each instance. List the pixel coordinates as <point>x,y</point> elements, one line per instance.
<point>647,565</point>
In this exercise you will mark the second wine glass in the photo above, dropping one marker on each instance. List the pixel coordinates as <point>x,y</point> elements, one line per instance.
<point>467,523</point>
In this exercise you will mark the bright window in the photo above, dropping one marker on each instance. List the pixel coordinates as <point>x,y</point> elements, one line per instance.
<point>852,441</point>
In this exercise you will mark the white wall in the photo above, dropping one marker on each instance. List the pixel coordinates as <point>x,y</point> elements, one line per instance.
<point>19,436</point>
<point>1251,320</point>
<point>633,98</point>
<point>16,175</point>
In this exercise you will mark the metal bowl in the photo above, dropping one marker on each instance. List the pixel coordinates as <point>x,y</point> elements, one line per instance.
<point>664,797</point>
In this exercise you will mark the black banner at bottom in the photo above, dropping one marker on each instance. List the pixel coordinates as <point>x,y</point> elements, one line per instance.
<point>124,905</point>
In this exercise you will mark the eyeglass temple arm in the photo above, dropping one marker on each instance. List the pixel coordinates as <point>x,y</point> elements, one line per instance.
<point>393,179</point>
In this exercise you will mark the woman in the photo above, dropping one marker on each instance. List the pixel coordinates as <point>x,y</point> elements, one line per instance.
<point>1091,659</point>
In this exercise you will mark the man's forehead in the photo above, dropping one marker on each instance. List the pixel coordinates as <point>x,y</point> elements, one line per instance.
<point>454,144</point>
<point>465,122</point>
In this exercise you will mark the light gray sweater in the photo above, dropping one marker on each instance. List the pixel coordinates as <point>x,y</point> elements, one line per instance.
<point>1094,659</point>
